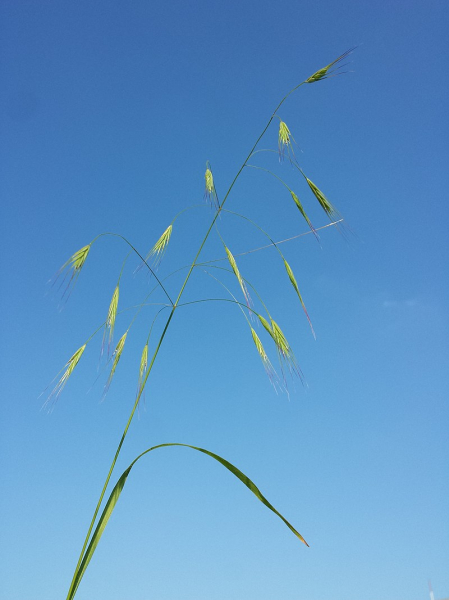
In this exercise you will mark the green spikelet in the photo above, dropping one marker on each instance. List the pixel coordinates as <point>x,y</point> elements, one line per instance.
<point>266,325</point>
<point>236,271</point>
<point>324,202</point>
<point>296,288</point>
<point>115,360</point>
<point>327,71</point>
<point>143,367</point>
<point>210,192</point>
<point>303,212</point>
<point>69,368</point>
<point>265,360</point>
<point>158,250</point>
<point>73,266</point>
<point>110,320</point>
<point>285,140</point>
<point>285,351</point>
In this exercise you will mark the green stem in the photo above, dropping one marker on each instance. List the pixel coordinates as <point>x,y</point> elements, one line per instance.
<point>75,580</point>
<point>139,255</point>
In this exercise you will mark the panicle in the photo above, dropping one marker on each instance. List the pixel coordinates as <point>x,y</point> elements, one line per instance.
<point>327,71</point>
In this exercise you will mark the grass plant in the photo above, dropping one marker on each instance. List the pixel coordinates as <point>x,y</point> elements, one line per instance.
<point>72,268</point>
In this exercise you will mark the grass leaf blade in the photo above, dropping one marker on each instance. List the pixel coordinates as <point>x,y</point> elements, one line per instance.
<point>115,494</point>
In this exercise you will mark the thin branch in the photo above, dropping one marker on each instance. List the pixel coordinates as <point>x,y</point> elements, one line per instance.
<point>276,243</point>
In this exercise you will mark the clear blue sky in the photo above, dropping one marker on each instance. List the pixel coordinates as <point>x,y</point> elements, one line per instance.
<point>109,111</point>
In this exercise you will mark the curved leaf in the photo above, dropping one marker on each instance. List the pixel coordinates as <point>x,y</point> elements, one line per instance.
<point>115,494</point>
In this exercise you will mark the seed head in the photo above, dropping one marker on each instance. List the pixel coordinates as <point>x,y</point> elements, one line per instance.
<point>266,325</point>
<point>324,202</point>
<point>272,375</point>
<point>110,320</point>
<point>303,212</point>
<point>210,192</point>
<point>327,72</point>
<point>158,250</point>
<point>285,139</point>
<point>69,368</point>
<point>73,266</point>
<point>296,288</point>
<point>115,359</point>
<point>143,367</point>
<point>285,352</point>
<point>234,267</point>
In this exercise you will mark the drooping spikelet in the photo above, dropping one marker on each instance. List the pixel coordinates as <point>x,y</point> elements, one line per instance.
<point>143,367</point>
<point>267,326</point>
<point>303,212</point>
<point>115,359</point>
<point>158,250</point>
<point>326,72</point>
<point>69,368</point>
<point>296,288</point>
<point>285,139</point>
<point>284,349</point>
<point>234,267</point>
<point>282,346</point>
<point>73,266</point>
<point>110,320</point>
<point>265,360</point>
<point>324,202</point>
<point>210,193</point>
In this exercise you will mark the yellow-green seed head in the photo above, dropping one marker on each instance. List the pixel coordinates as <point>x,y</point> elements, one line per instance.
<point>143,367</point>
<point>209,181</point>
<point>73,265</point>
<point>297,201</point>
<point>79,258</point>
<point>327,71</point>
<point>115,360</point>
<point>110,320</point>
<point>236,271</point>
<point>285,140</point>
<point>294,283</point>
<point>260,348</point>
<point>69,368</point>
<point>265,360</point>
<point>318,75</point>
<point>324,202</point>
<point>284,349</point>
<point>266,325</point>
<point>158,250</point>
<point>210,192</point>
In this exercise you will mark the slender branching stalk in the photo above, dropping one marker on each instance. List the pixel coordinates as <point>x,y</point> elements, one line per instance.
<point>72,269</point>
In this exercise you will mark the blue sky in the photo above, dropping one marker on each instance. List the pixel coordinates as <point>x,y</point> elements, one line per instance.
<point>109,112</point>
